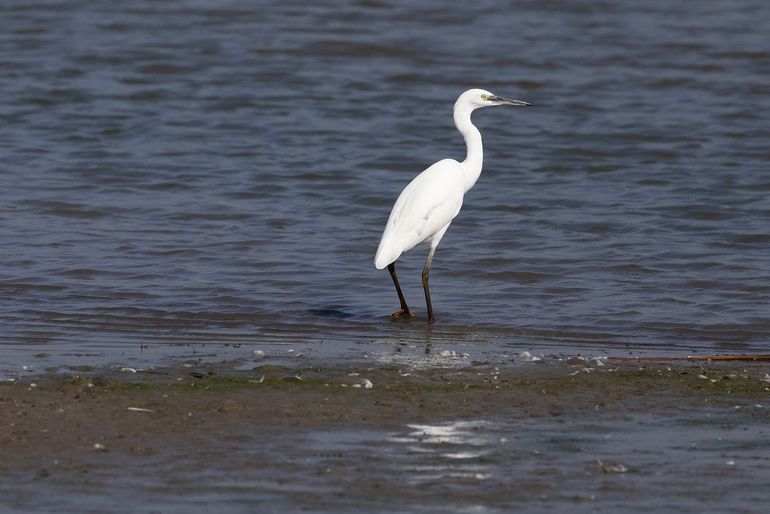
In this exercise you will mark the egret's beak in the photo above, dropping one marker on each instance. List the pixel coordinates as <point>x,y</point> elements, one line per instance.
<point>506,101</point>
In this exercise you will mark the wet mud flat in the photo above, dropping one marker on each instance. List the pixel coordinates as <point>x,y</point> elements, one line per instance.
<point>577,435</point>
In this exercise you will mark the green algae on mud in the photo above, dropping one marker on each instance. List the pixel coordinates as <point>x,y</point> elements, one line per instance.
<point>432,392</point>
<point>740,379</point>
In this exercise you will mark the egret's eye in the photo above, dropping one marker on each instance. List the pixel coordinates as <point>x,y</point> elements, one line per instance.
<point>484,96</point>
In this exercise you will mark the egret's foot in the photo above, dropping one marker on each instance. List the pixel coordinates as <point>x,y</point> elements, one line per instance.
<point>401,313</point>
<point>431,320</point>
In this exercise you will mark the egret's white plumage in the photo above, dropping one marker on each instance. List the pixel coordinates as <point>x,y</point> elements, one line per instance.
<point>416,218</point>
<point>429,203</point>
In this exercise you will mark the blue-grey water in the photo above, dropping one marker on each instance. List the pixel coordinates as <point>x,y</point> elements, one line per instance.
<point>183,177</point>
<point>215,172</point>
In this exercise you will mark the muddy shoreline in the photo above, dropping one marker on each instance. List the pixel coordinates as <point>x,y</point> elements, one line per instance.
<point>65,429</point>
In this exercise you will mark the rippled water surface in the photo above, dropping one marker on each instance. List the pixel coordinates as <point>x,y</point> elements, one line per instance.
<point>220,172</point>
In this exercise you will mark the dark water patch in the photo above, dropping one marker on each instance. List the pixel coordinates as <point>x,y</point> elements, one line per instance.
<point>85,273</point>
<point>211,216</point>
<point>38,101</point>
<point>520,277</point>
<point>701,284</point>
<point>65,209</point>
<point>162,69</point>
<point>605,168</point>
<point>633,269</point>
<point>77,138</point>
<point>21,287</point>
<point>168,186</point>
<point>38,337</point>
<point>331,312</point>
<point>150,95</point>
<point>751,239</point>
<point>341,49</point>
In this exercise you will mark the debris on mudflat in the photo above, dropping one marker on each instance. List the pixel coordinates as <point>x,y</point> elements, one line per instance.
<point>611,468</point>
<point>729,357</point>
<point>451,354</point>
<point>139,409</point>
<point>528,357</point>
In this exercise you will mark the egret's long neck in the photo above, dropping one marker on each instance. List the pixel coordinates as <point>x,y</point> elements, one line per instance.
<point>475,156</point>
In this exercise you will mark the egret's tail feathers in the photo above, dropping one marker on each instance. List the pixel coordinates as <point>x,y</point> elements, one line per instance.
<point>383,258</point>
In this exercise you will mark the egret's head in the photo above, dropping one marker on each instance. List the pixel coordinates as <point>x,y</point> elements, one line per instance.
<point>475,98</point>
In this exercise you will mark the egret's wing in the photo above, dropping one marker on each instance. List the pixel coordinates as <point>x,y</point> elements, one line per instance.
<point>425,206</point>
<point>424,211</point>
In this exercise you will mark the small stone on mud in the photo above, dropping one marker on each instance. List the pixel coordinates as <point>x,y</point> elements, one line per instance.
<point>99,447</point>
<point>258,355</point>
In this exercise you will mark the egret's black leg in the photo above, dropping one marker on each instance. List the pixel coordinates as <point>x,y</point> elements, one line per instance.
<point>404,312</point>
<point>425,277</point>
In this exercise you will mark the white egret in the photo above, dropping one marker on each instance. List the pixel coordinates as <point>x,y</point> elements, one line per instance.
<point>429,203</point>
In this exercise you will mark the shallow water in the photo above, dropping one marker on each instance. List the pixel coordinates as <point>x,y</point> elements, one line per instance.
<point>632,463</point>
<point>183,172</point>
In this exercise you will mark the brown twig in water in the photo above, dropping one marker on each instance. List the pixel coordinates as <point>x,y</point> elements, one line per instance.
<point>759,357</point>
